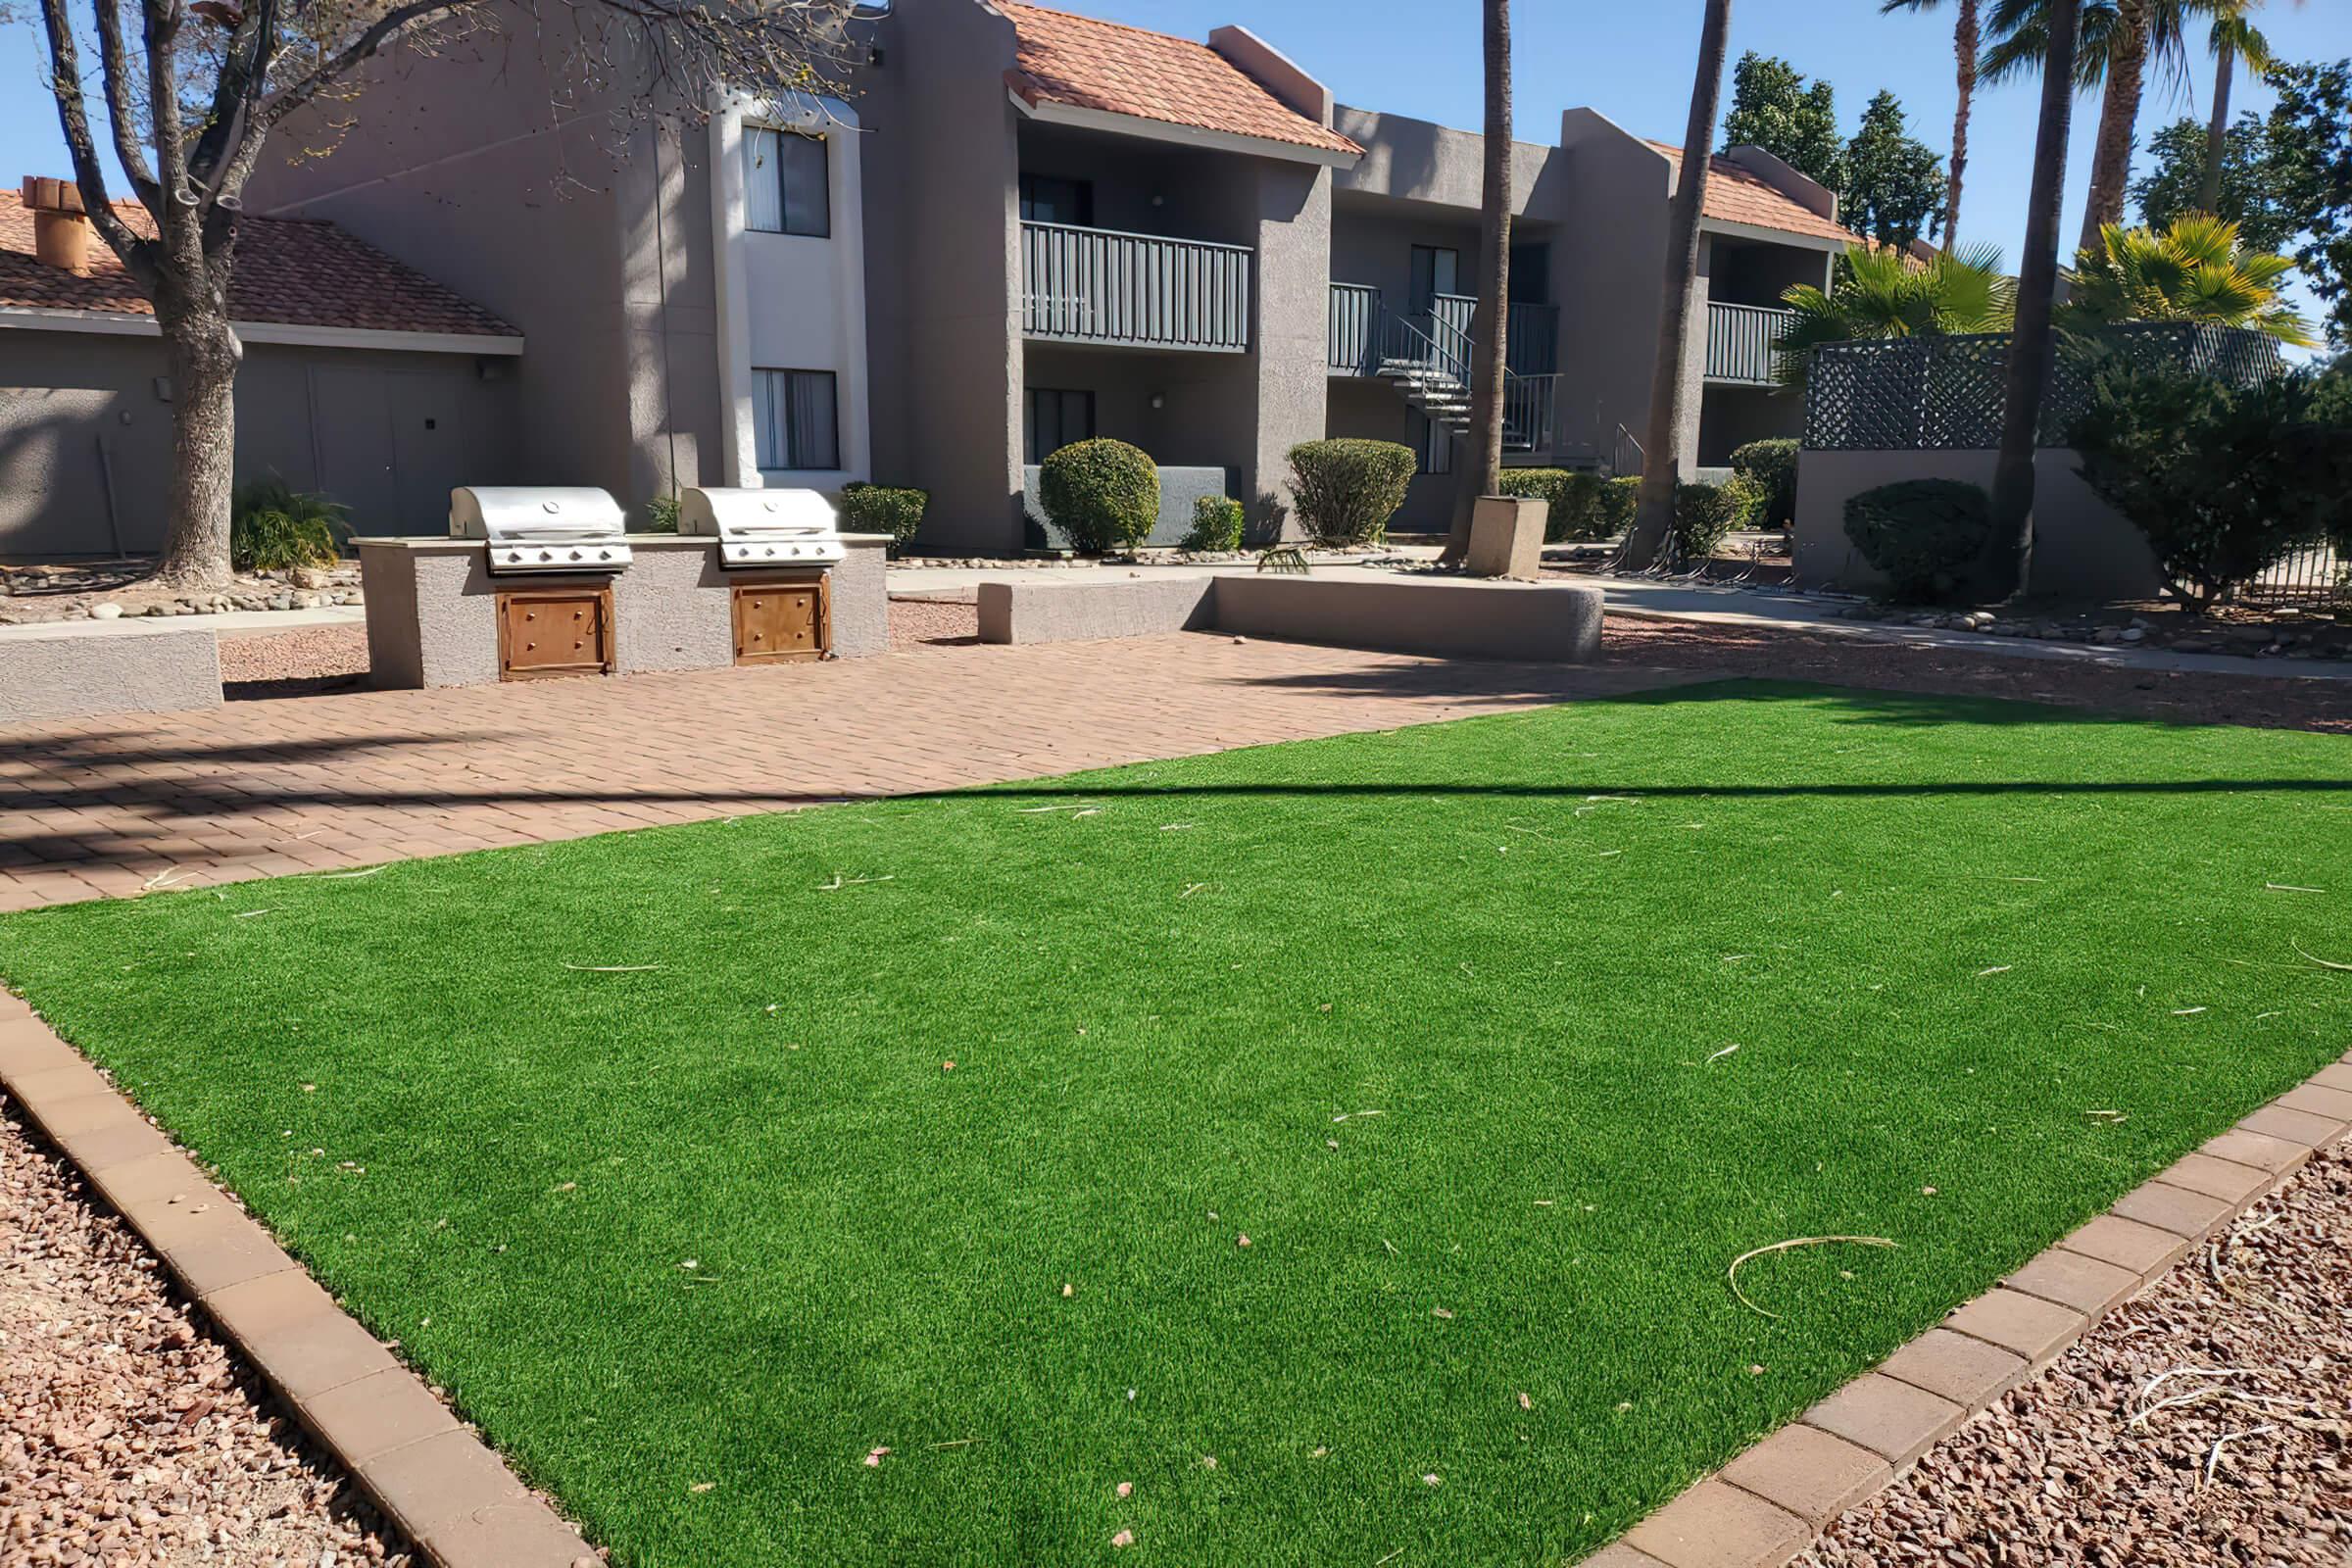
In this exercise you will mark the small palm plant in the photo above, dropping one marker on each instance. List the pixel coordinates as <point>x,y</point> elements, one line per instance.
<point>1881,291</point>
<point>2196,270</point>
<point>275,527</point>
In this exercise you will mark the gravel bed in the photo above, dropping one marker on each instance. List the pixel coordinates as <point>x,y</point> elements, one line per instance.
<point>302,654</point>
<point>129,1435</point>
<point>2203,1423</point>
<point>1845,660</point>
<point>921,625</point>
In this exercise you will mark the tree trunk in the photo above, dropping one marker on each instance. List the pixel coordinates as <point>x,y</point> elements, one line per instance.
<point>2030,345</point>
<point>201,353</point>
<point>1489,323</point>
<point>2217,131</point>
<point>1964,50</point>
<point>2119,113</point>
<point>1661,465</point>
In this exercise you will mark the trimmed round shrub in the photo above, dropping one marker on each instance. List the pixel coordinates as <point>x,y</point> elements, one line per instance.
<point>1216,524</point>
<point>1923,534</point>
<point>1347,490</point>
<point>1102,494</point>
<point>1771,468</point>
<point>884,509</point>
<point>1704,515</point>
<point>1572,495</point>
<point>1620,499</point>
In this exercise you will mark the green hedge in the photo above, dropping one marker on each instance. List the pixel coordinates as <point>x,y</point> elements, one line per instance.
<point>1620,499</point>
<point>1923,534</point>
<point>1770,467</point>
<point>1216,524</point>
<point>275,528</point>
<point>1575,497</point>
<point>897,511</point>
<point>1102,494</point>
<point>1347,490</point>
<point>1704,515</point>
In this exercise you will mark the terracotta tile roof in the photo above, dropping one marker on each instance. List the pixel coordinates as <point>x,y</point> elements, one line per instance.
<point>1081,63</point>
<point>290,273</point>
<point>1736,195</point>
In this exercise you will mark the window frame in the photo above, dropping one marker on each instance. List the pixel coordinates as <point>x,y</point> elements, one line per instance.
<point>771,398</point>
<point>820,225</point>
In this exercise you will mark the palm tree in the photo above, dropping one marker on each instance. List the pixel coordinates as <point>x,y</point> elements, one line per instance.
<point>1654,513</point>
<point>2117,40</point>
<point>1881,292</point>
<point>1489,319</point>
<point>2196,270</point>
<point>1964,51</point>
<point>2029,343</point>
<point>2234,37</point>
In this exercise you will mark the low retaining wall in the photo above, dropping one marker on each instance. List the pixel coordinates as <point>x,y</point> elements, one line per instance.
<point>432,616</point>
<point>2083,548</point>
<point>72,669</point>
<point>1447,616</point>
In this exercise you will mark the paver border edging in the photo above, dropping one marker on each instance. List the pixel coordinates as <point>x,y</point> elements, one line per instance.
<point>1775,1498</point>
<point>450,1493</point>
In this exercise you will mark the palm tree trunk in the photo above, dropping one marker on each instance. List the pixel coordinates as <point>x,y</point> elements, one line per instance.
<point>2119,113</point>
<point>2029,343</point>
<point>2216,129</point>
<point>1661,465</point>
<point>1489,325</point>
<point>1964,50</point>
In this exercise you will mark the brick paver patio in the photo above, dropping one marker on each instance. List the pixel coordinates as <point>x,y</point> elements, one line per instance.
<point>111,806</point>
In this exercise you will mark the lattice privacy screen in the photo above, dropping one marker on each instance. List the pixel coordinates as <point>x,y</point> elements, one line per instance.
<point>1907,393</point>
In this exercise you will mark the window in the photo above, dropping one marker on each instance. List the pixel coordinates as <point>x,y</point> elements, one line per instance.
<point>1046,200</point>
<point>784,184</point>
<point>1057,418</point>
<point>1432,444</point>
<point>793,419</point>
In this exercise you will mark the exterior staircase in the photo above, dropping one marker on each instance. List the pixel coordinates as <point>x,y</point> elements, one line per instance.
<point>1435,392</point>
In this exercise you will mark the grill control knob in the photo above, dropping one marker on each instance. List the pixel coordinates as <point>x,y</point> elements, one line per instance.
<point>546,555</point>
<point>772,550</point>
<point>575,554</point>
<point>795,550</point>
<point>604,554</point>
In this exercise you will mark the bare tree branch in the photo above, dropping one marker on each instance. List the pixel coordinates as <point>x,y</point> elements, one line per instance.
<point>64,59</point>
<point>251,51</point>
<point>123,118</point>
<point>391,25</point>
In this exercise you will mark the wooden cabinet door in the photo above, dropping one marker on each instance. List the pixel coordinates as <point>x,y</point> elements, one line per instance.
<point>780,621</point>
<point>554,631</point>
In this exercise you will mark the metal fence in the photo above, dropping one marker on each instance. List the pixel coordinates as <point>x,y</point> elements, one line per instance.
<point>1095,285</point>
<point>1934,393</point>
<point>2314,577</point>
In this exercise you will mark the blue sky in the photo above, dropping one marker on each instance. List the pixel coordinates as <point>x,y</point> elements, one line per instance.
<point>1632,62</point>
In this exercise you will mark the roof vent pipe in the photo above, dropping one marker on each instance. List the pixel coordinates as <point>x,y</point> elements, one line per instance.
<point>61,227</point>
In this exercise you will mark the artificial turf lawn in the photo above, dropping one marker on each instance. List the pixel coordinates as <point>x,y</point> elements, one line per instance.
<point>731,1222</point>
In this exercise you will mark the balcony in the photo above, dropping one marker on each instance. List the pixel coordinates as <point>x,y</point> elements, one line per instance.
<point>1740,339</point>
<point>1098,285</point>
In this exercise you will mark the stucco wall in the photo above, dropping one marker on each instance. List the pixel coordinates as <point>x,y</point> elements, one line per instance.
<point>386,433</point>
<point>944,269</point>
<point>1729,416</point>
<point>2083,549</point>
<point>106,666</point>
<point>484,169</point>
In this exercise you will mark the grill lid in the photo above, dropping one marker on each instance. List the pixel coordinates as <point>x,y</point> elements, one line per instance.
<point>764,527</point>
<point>536,528</point>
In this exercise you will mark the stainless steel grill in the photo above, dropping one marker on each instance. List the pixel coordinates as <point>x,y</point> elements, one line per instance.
<point>535,529</point>
<point>764,527</point>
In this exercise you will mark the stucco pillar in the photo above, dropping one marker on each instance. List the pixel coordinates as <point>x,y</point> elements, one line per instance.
<point>1293,295</point>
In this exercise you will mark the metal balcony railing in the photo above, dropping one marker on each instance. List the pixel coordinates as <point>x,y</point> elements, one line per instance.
<point>1098,285</point>
<point>1740,339</point>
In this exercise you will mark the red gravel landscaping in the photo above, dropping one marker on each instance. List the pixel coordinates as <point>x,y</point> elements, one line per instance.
<point>129,1435</point>
<point>2203,1423</point>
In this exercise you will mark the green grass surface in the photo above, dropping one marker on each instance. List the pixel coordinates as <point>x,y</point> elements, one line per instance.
<point>729,1222</point>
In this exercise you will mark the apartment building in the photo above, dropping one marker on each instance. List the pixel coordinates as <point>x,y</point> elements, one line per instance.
<point>1017,228</point>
